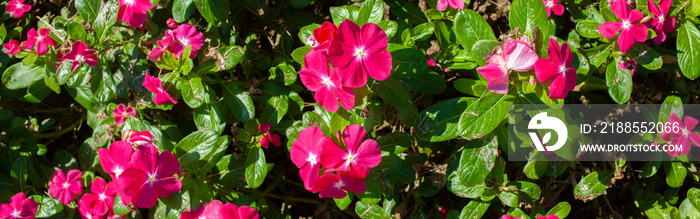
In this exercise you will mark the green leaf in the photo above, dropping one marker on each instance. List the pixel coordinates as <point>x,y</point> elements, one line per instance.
<point>76,31</point>
<point>647,57</point>
<point>194,147</point>
<point>619,82</point>
<point>395,142</point>
<point>694,197</point>
<point>593,185</point>
<point>50,81</point>
<point>373,193</point>
<point>407,61</point>
<point>275,109</point>
<point>307,31</point>
<point>440,122</point>
<point>20,76</point>
<point>470,27</point>
<point>687,209</point>
<point>588,29</point>
<point>675,173</point>
<point>482,49</point>
<point>366,210</point>
<point>561,210</point>
<point>103,86</point>
<point>105,19</point>
<point>693,10</point>
<point>427,83</point>
<point>208,117</point>
<point>343,203</point>
<point>671,105</point>
<point>342,13</point>
<point>654,205</point>
<point>182,10</point>
<point>407,10</point>
<point>470,86</point>
<point>239,101</point>
<point>528,14</point>
<point>47,206</point>
<point>290,74</point>
<point>19,170</point>
<point>88,9</point>
<point>476,161</point>
<point>390,27</point>
<point>299,54</point>
<point>484,115</point>
<point>300,3</point>
<point>214,11</point>
<point>193,91</point>
<point>688,44</point>
<point>372,11</point>
<point>255,167</point>
<point>475,209</point>
<point>423,32</point>
<point>392,91</point>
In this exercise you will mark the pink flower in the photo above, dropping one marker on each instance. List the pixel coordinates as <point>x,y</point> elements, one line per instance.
<point>121,112</point>
<point>231,211</point>
<point>322,78</point>
<point>141,138</point>
<point>505,216</point>
<point>552,5</point>
<point>171,23</point>
<point>514,55</point>
<point>306,154</point>
<point>456,4</point>
<point>17,8</point>
<point>133,12</point>
<point>20,207</point>
<point>101,199</point>
<point>361,155</point>
<point>185,35</point>
<point>65,188</point>
<point>165,44</point>
<point>682,135</point>
<point>551,216</point>
<point>12,47</point>
<point>86,210</point>
<point>42,40</point>
<point>154,85</point>
<point>360,52</point>
<point>267,137</point>
<point>79,53</point>
<point>114,161</point>
<point>557,69</point>
<point>628,65</point>
<point>660,24</point>
<point>631,32</point>
<point>205,210</point>
<point>323,36</point>
<point>150,176</point>
<point>335,185</point>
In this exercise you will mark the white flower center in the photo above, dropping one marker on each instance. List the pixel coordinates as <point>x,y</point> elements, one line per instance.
<point>550,3</point>
<point>66,185</point>
<point>16,213</point>
<point>129,2</point>
<point>327,81</point>
<point>20,5</point>
<point>102,196</point>
<point>339,184</point>
<point>685,131</point>
<point>40,38</point>
<point>661,18</point>
<point>351,158</point>
<point>312,159</point>
<point>79,58</point>
<point>117,172</point>
<point>152,178</point>
<point>562,69</point>
<point>626,24</point>
<point>360,52</point>
<point>184,42</point>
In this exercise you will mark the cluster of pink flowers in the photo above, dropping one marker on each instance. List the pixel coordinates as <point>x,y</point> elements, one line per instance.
<point>41,40</point>
<point>313,152</point>
<point>19,207</point>
<point>630,28</point>
<point>683,135</point>
<point>268,137</point>
<point>519,56</point>
<point>17,8</point>
<point>154,85</point>
<point>216,210</point>
<point>354,53</point>
<point>175,42</point>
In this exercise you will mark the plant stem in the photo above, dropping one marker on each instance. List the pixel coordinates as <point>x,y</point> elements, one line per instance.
<point>292,198</point>
<point>60,132</point>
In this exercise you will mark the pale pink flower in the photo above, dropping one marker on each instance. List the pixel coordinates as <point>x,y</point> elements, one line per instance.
<point>456,4</point>
<point>514,55</point>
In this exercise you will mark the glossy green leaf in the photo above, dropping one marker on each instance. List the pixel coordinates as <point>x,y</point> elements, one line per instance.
<point>88,9</point>
<point>214,11</point>
<point>483,115</point>
<point>182,10</point>
<point>440,122</point>
<point>20,76</point>
<point>256,167</point>
<point>593,185</point>
<point>475,209</point>
<point>619,82</point>
<point>477,160</point>
<point>239,101</point>
<point>588,29</point>
<point>470,27</point>
<point>372,11</point>
<point>675,173</point>
<point>106,17</point>
<point>688,44</point>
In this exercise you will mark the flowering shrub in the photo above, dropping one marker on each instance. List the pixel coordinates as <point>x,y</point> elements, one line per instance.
<point>375,108</point>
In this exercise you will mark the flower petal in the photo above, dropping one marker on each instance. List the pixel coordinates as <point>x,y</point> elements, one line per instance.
<point>442,5</point>
<point>326,98</point>
<point>333,157</point>
<point>378,64</point>
<point>609,29</point>
<point>167,165</point>
<point>519,55</point>
<point>369,154</point>
<point>558,9</point>
<point>546,70</point>
<point>353,135</point>
<point>146,197</point>
<point>166,186</point>
<point>690,123</point>
<point>456,4</point>
<point>653,9</point>
<point>619,8</point>
<point>625,40</point>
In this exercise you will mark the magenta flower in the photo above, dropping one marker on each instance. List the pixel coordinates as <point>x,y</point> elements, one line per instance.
<point>79,53</point>
<point>114,161</point>
<point>684,134</point>
<point>628,65</point>
<point>267,136</point>
<point>505,216</point>
<point>361,155</point>
<point>12,47</point>
<point>41,40</point>
<point>514,55</point>
<point>150,176</point>
<point>165,45</point>
<point>141,138</point>
<point>631,32</point>
<point>557,69</point>
<point>154,85</point>
<point>185,35</point>
<point>133,12</point>
<point>456,4</point>
<point>322,78</point>
<point>86,210</point>
<point>552,5</point>
<point>231,211</point>
<point>17,8</point>
<point>306,154</point>
<point>360,52</point>
<point>171,23</point>
<point>551,216</point>
<point>660,24</point>
<point>323,36</point>
<point>101,200</point>
<point>65,188</point>
<point>121,112</point>
<point>335,185</point>
<point>20,207</point>
<point>205,210</point>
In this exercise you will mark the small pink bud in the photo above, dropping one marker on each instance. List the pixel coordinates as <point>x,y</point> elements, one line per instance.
<point>172,23</point>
